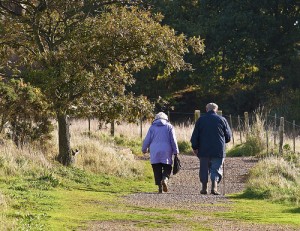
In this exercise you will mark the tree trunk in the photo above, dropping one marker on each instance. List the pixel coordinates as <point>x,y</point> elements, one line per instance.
<point>64,156</point>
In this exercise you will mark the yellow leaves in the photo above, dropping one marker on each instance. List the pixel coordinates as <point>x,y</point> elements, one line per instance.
<point>197,44</point>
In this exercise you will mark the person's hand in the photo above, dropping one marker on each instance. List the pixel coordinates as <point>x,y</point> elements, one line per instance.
<point>195,151</point>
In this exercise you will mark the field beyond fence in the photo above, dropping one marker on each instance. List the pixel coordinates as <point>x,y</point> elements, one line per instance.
<point>277,132</point>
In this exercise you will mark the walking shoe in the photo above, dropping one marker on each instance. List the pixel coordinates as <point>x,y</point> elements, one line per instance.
<point>214,189</point>
<point>214,192</point>
<point>204,188</point>
<point>164,184</point>
<point>159,189</point>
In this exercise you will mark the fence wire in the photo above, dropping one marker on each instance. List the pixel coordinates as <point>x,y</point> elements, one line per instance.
<point>269,125</point>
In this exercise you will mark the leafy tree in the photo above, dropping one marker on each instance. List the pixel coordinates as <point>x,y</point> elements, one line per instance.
<point>83,53</point>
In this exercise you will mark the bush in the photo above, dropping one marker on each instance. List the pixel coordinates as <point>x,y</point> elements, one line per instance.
<point>252,147</point>
<point>24,112</point>
<point>255,140</point>
<point>135,145</point>
<point>184,147</point>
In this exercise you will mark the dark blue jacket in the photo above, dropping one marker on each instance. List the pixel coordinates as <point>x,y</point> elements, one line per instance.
<point>210,134</point>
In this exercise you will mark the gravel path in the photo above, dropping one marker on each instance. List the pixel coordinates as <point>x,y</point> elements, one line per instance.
<point>184,193</point>
<point>184,187</point>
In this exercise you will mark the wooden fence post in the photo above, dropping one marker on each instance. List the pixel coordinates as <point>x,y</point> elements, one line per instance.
<point>89,122</point>
<point>240,129</point>
<point>112,128</point>
<point>294,136</point>
<point>196,115</point>
<point>281,131</point>
<point>230,120</point>
<point>267,135</point>
<point>246,123</point>
<point>141,127</point>
<point>275,129</point>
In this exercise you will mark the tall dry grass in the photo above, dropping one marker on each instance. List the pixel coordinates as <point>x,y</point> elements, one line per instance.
<point>15,161</point>
<point>276,179</point>
<point>100,155</point>
<point>131,130</point>
<point>96,155</point>
<point>134,131</point>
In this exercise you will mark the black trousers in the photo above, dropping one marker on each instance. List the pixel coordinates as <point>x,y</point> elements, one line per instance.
<point>160,171</point>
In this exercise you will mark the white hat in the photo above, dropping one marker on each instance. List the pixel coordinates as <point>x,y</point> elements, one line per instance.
<point>161,115</point>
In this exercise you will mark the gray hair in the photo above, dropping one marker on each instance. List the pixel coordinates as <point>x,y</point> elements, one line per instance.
<point>212,107</point>
<point>161,115</point>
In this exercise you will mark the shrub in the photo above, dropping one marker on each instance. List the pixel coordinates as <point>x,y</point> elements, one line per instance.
<point>184,147</point>
<point>25,113</point>
<point>253,146</point>
<point>135,145</point>
<point>255,140</point>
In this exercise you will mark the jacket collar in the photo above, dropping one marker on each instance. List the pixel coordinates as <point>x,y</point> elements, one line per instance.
<point>211,112</point>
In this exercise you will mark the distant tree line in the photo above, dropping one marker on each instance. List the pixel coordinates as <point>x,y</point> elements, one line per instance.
<point>252,56</point>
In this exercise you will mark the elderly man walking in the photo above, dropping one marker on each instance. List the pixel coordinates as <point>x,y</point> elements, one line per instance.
<point>210,134</point>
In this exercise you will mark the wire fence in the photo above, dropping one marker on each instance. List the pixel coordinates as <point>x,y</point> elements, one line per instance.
<point>278,132</point>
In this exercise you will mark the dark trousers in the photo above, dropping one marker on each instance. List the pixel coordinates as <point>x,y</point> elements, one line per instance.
<point>161,171</point>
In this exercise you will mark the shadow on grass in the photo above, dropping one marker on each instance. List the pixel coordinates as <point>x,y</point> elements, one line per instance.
<point>261,195</point>
<point>251,195</point>
<point>294,210</point>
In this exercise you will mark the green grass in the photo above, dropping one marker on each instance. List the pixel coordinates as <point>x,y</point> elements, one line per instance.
<point>261,211</point>
<point>251,147</point>
<point>135,145</point>
<point>63,198</point>
<point>72,204</point>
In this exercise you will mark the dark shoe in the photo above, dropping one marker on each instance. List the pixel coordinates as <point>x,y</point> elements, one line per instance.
<point>203,191</point>
<point>160,189</point>
<point>214,188</point>
<point>164,184</point>
<point>204,188</point>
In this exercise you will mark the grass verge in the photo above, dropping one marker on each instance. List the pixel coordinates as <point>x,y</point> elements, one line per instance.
<point>261,212</point>
<point>74,205</point>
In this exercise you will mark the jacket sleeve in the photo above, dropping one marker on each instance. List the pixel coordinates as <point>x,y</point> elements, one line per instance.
<point>227,131</point>
<point>147,141</point>
<point>174,144</point>
<point>195,137</point>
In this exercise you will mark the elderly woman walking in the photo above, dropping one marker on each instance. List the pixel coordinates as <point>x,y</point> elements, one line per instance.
<point>161,141</point>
